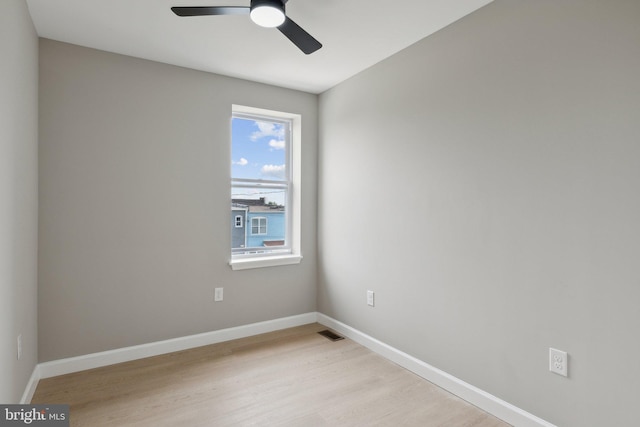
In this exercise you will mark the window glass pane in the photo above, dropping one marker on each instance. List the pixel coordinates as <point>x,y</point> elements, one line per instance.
<point>258,225</point>
<point>258,149</point>
<point>265,213</point>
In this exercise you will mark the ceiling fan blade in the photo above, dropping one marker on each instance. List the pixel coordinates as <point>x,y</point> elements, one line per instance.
<point>299,37</point>
<point>210,10</point>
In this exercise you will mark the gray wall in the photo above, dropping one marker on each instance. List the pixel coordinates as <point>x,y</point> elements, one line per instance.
<point>134,204</point>
<point>18,197</point>
<point>513,138</point>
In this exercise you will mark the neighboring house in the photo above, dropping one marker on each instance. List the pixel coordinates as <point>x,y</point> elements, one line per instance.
<point>238,225</point>
<point>265,226</point>
<point>257,224</point>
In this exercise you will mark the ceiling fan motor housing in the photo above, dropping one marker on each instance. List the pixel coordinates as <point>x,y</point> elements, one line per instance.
<point>273,3</point>
<point>268,13</point>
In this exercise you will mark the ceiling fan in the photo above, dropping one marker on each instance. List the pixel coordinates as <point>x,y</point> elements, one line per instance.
<point>266,13</point>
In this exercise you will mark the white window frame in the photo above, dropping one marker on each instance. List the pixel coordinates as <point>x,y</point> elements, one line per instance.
<point>291,253</point>
<point>260,219</point>
<point>239,223</point>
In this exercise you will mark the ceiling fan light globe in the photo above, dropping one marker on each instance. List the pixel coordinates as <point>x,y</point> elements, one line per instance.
<point>267,16</point>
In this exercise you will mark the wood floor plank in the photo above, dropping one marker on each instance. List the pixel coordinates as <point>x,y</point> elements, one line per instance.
<point>292,377</point>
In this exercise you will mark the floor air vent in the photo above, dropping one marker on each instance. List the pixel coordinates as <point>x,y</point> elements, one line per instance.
<point>331,335</point>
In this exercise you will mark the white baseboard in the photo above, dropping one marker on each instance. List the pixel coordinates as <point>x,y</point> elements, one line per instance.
<point>31,386</point>
<point>483,400</point>
<point>110,357</point>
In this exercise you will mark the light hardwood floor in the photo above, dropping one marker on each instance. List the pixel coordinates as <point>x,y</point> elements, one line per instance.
<point>293,377</point>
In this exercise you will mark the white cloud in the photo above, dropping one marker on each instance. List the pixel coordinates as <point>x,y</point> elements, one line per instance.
<point>267,129</point>
<point>241,162</point>
<point>277,144</point>
<point>275,171</point>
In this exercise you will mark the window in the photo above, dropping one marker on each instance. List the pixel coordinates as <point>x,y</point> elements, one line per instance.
<point>259,225</point>
<point>265,180</point>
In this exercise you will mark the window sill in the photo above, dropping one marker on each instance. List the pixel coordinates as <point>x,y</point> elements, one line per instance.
<point>261,262</point>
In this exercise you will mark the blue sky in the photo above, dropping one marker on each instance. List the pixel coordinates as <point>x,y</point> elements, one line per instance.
<point>257,152</point>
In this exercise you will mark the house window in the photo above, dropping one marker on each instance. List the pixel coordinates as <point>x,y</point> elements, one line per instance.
<point>259,225</point>
<point>265,184</point>
<point>238,221</point>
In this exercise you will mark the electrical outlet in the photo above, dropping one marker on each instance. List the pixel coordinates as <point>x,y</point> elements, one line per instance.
<point>218,294</point>
<point>370,298</point>
<point>19,346</point>
<point>558,362</point>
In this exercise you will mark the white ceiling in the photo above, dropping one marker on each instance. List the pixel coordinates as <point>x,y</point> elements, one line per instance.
<point>355,33</point>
